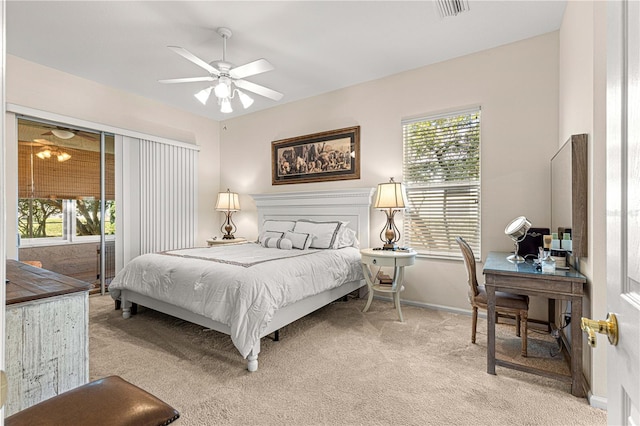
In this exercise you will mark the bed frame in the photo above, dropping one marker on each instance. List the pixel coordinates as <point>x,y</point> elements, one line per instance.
<point>350,205</point>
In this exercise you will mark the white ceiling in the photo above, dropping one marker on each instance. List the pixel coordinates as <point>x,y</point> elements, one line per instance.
<point>315,46</point>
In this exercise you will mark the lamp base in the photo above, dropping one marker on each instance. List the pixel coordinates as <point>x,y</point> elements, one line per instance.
<point>390,246</point>
<point>228,237</point>
<point>515,258</point>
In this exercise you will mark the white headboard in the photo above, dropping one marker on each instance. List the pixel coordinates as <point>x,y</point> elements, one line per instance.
<point>349,205</point>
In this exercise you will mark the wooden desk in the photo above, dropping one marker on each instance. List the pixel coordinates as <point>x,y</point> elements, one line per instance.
<point>522,278</point>
<point>47,334</point>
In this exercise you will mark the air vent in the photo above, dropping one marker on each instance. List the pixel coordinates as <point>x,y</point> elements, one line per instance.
<point>451,7</point>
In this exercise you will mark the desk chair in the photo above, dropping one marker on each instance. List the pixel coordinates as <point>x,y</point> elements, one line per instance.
<point>516,305</point>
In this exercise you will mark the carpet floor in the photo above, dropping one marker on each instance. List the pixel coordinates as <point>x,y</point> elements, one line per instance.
<point>338,366</point>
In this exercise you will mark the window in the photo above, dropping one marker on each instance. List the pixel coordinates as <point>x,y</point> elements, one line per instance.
<point>59,184</point>
<point>442,180</point>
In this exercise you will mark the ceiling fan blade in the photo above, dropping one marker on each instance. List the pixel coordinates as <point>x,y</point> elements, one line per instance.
<point>186,80</point>
<point>252,68</point>
<point>260,90</point>
<point>193,58</point>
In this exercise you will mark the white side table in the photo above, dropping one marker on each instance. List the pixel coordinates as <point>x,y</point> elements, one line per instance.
<point>397,259</point>
<point>220,241</point>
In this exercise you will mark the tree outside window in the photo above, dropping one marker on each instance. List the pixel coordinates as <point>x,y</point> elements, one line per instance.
<point>442,179</point>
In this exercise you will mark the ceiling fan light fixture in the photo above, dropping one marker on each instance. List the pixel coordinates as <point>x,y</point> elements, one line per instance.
<point>63,156</point>
<point>44,153</point>
<point>62,134</point>
<point>203,95</point>
<point>225,106</point>
<point>223,88</point>
<point>245,99</point>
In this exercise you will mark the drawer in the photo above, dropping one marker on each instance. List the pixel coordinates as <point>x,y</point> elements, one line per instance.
<point>379,260</point>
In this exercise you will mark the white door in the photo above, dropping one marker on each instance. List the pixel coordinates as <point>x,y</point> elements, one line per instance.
<point>623,210</point>
<point>2,191</point>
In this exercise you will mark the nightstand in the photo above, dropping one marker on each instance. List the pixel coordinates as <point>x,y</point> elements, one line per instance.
<point>220,241</point>
<point>397,259</point>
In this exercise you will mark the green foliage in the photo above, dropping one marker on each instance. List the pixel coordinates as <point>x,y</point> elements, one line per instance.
<point>38,217</point>
<point>33,215</point>
<point>444,150</point>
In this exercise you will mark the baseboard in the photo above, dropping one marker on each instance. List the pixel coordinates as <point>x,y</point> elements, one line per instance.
<point>597,401</point>
<point>461,311</point>
<point>432,306</point>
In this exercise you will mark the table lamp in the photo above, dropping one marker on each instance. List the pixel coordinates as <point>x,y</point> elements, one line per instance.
<point>228,203</point>
<point>517,230</point>
<point>391,198</point>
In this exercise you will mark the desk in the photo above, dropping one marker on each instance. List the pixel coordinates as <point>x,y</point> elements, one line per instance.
<point>47,334</point>
<point>522,278</point>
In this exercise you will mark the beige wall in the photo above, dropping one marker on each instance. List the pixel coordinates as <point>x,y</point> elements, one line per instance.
<point>533,95</point>
<point>41,88</point>
<point>582,110</point>
<point>517,87</point>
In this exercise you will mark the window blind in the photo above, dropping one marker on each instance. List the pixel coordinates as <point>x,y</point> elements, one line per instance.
<point>168,191</point>
<point>442,179</point>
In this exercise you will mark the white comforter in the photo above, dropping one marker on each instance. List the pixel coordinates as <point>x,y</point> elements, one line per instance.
<point>239,285</point>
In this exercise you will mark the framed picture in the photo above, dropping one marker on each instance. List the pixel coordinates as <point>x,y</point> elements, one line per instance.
<point>320,157</point>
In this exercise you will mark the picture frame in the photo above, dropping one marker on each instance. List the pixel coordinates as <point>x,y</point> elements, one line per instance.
<point>319,157</point>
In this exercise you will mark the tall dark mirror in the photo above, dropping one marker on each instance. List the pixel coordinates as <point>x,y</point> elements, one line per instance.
<point>569,192</point>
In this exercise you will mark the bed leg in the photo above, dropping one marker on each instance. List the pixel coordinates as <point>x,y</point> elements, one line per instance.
<point>276,336</point>
<point>252,362</point>
<point>252,358</point>
<point>126,308</point>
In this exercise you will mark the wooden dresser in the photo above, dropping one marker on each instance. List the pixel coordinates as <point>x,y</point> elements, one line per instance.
<point>47,335</point>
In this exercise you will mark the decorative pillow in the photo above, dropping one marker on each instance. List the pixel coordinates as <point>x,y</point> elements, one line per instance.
<point>346,238</point>
<point>325,233</point>
<point>279,243</point>
<point>299,240</point>
<point>278,225</point>
<point>269,234</point>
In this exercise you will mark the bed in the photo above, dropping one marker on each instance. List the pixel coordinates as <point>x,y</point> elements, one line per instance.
<point>251,290</point>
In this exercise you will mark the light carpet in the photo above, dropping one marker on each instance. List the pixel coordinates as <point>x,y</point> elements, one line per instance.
<point>337,366</point>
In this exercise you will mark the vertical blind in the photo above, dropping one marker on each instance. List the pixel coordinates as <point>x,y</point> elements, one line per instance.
<point>167,196</point>
<point>441,174</point>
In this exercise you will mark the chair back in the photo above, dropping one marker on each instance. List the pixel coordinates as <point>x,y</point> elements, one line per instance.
<point>470,263</point>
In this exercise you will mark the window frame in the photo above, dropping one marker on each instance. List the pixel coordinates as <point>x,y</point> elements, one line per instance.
<point>462,192</point>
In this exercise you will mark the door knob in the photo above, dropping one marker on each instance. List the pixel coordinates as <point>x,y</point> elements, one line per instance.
<point>609,327</point>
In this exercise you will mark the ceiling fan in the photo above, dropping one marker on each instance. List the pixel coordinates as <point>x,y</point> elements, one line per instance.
<point>226,79</point>
<point>67,133</point>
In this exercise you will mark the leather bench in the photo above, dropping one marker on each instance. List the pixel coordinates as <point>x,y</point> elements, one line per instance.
<point>111,401</point>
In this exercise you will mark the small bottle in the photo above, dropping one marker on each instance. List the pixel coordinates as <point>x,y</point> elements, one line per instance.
<point>555,242</point>
<point>567,243</point>
<point>548,264</point>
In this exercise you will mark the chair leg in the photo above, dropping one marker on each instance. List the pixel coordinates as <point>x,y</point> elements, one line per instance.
<point>524,333</point>
<point>518,325</point>
<point>474,323</point>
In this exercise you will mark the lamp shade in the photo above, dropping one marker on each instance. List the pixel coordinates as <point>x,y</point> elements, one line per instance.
<point>391,195</point>
<point>228,201</point>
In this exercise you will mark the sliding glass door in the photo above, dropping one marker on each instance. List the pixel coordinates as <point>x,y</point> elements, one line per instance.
<point>66,200</point>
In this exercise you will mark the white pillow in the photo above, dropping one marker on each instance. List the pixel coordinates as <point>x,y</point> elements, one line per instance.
<point>279,243</point>
<point>269,234</point>
<point>325,233</point>
<point>299,240</point>
<point>346,238</point>
<point>278,225</point>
